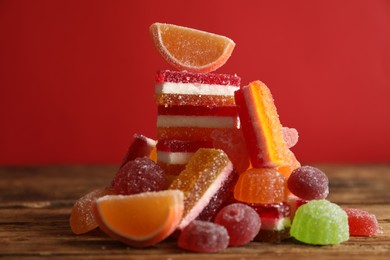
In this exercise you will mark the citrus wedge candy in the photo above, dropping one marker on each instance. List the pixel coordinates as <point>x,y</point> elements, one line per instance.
<point>143,219</point>
<point>190,49</point>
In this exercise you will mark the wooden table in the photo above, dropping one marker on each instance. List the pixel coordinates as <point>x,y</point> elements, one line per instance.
<point>35,203</point>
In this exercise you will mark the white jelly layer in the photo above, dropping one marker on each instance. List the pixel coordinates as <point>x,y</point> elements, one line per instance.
<point>173,157</point>
<point>275,224</point>
<point>195,89</point>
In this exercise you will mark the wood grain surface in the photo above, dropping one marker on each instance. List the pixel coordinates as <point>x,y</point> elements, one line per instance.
<point>35,203</point>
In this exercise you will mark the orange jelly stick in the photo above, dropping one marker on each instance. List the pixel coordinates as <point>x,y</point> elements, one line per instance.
<point>261,127</point>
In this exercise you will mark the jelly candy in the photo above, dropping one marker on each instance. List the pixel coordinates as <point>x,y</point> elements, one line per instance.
<point>233,143</point>
<point>222,197</point>
<point>308,183</point>
<point>190,49</point>
<point>261,185</point>
<point>261,126</point>
<point>290,136</point>
<point>241,221</point>
<point>139,175</point>
<point>181,88</point>
<point>275,221</point>
<point>142,219</point>
<point>141,146</point>
<point>294,203</point>
<point>204,237</point>
<point>320,222</point>
<point>173,155</point>
<point>83,218</point>
<point>362,223</point>
<point>200,180</point>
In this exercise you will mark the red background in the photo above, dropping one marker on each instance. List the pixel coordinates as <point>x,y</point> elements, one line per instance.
<point>77,77</point>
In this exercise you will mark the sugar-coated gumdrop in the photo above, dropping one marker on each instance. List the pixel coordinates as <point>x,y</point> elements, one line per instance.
<point>139,175</point>
<point>241,221</point>
<point>200,181</point>
<point>233,143</point>
<point>320,222</point>
<point>261,185</point>
<point>222,197</point>
<point>362,223</point>
<point>83,217</point>
<point>308,183</point>
<point>202,236</point>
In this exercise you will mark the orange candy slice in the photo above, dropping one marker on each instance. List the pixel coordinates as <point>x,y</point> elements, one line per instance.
<point>142,219</point>
<point>189,49</point>
<point>261,185</point>
<point>83,218</point>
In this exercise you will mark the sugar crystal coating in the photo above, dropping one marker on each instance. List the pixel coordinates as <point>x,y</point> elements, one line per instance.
<point>309,183</point>
<point>202,236</point>
<point>200,180</point>
<point>199,78</point>
<point>291,136</point>
<point>241,221</point>
<point>222,197</point>
<point>261,185</point>
<point>140,146</point>
<point>362,223</point>
<point>320,222</point>
<point>139,175</point>
<point>83,218</point>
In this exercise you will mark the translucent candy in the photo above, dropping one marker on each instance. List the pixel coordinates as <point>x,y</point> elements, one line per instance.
<point>261,185</point>
<point>261,126</point>
<point>320,222</point>
<point>187,133</point>
<point>173,155</point>
<point>200,181</point>
<point>308,183</point>
<point>197,78</point>
<point>141,146</point>
<point>362,223</point>
<point>222,197</point>
<point>139,175</point>
<point>83,218</point>
<point>233,143</point>
<point>174,88</point>
<point>241,221</point>
<point>204,237</point>
<point>291,136</point>
<point>275,221</point>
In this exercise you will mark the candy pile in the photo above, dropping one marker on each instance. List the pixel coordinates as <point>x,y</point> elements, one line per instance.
<point>221,172</point>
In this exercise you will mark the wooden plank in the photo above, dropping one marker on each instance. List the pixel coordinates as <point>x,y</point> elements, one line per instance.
<point>35,203</point>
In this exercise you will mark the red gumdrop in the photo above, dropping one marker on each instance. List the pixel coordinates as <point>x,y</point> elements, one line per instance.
<point>362,223</point>
<point>139,175</point>
<point>308,183</point>
<point>203,237</point>
<point>241,221</point>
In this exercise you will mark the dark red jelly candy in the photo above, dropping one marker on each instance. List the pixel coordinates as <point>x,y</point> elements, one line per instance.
<point>221,198</point>
<point>362,223</point>
<point>241,221</point>
<point>202,236</point>
<point>308,183</point>
<point>139,175</point>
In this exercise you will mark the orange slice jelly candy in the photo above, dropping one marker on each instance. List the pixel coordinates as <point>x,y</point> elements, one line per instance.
<point>262,129</point>
<point>142,219</point>
<point>83,218</point>
<point>203,176</point>
<point>189,49</point>
<point>261,185</point>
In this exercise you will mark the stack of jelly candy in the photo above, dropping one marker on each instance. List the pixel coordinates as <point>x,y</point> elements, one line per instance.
<point>224,148</point>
